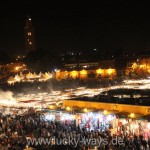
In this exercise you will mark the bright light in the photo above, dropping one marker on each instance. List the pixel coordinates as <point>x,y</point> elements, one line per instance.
<point>67,117</point>
<point>68,108</point>
<point>84,66</point>
<point>148,126</point>
<point>109,118</point>
<point>56,70</point>
<point>74,74</point>
<point>51,107</point>
<point>29,33</point>
<point>17,68</point>
<point>105,112</point>
<point>134,66</point>
<point>132,115</point>
<point>85,110</point>
<point>8,102</point>
<point>50,117</point>
<point>124,122</point>
<point>110,71</point>
<point>83,72</point>
<point>99,71</point>
<point>136,126</point>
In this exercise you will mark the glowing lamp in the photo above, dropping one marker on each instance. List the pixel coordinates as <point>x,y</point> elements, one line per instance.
<point>17,68</point>
<point>110,71</point>
<point>74,74</point>
<point>132,115</point>
<point>85,110</point>
<point>105,112</point>
<point>83,72</point>
<point>99,71</point>
<point>68,108</point>
<point>57,104</point>
<point>51,107</point>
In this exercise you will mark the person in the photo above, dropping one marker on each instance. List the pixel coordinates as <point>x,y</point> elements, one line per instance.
<point>149,142</point>
<point>9,147</point>
<point>130,144</point>
<point>145,144</point>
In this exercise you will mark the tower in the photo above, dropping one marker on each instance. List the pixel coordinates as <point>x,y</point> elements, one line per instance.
<point>29,36</point>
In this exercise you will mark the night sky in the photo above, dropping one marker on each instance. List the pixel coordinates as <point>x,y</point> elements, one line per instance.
<point>59,26</point>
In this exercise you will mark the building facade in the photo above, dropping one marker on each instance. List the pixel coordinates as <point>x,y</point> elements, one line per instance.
<point>86,74</point>
<point>139,68</point>
<point>88,70</point>
<point>29,36</point>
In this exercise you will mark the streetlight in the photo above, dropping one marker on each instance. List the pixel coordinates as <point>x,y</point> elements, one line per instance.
<point>105,112</point>
<point>85,110</point>
<point>132,115</point>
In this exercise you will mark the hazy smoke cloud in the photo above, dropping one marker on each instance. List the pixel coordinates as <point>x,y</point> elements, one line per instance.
<point>6,95</point>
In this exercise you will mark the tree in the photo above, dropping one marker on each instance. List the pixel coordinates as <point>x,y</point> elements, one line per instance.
<point>41,60</point>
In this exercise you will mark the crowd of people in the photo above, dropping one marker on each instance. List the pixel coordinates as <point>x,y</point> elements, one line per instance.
<point>19,132</point>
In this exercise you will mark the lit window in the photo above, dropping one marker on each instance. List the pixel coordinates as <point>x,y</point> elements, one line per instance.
<point>99,71</point>
<point>30,43</point>
<point>29,33</point>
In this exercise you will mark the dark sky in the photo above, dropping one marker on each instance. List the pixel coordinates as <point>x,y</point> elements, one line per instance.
<point>69,26</point>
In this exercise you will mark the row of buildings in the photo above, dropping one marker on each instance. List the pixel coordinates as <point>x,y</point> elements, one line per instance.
<point>78,64</point>
<point>89,70</point>
<point>105,69</point>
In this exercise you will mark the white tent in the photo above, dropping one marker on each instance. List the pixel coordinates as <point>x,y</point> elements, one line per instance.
<point>11,80</point>
<point>48,75</point>
<point>30,75</point>
<point>17,78</point>
<point>21,75</point>
<point>35,75</point>
<point>42,78</point>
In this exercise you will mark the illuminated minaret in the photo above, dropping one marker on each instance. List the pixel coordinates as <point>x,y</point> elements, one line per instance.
<point>29,36</point>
